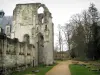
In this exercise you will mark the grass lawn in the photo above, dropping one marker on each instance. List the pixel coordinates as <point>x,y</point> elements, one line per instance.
<point>81,70</point>
<point>42,70</point>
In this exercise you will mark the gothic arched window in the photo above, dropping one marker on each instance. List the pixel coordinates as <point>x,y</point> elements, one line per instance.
<point>26,38</point>
<point>40,10</point>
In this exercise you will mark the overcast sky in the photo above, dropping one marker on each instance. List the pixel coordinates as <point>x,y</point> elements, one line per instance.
<point>61,10</point>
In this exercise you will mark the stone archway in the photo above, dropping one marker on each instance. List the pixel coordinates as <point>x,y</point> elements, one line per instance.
<point>40,47</point>
<point>40,15</point>
<point>40,10</point>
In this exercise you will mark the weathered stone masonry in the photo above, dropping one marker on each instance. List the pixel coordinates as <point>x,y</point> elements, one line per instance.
<point>15,54</point>
<point>37,26</point>
<point>31,41</point>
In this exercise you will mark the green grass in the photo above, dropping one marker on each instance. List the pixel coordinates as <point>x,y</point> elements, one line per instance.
<point>42,70</point>
<point>27,71</point>
<point>81,70</point>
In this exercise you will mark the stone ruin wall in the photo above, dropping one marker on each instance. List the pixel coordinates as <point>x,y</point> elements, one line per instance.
<point>14,53</point>
<point>27,20</point>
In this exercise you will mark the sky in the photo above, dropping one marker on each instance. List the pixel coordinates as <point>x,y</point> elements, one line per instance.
<point>61,10</point>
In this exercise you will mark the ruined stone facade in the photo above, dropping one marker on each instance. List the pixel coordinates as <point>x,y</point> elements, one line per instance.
<point>31,39</point>
<point>35,28</point>
<point>15,54</point>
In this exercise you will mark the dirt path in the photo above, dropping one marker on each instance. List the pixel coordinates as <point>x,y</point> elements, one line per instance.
<point>60,69</point>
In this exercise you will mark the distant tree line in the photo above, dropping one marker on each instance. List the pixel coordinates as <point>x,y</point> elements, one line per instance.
<point>82,34</point>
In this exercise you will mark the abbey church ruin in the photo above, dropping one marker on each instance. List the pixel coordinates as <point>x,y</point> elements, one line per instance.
<point>29,41</point>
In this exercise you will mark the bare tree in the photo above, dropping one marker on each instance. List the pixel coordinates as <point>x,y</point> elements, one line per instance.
<point>60,39</point>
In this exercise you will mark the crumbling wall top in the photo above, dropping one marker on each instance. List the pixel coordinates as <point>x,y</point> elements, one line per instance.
<point>37,5</point>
